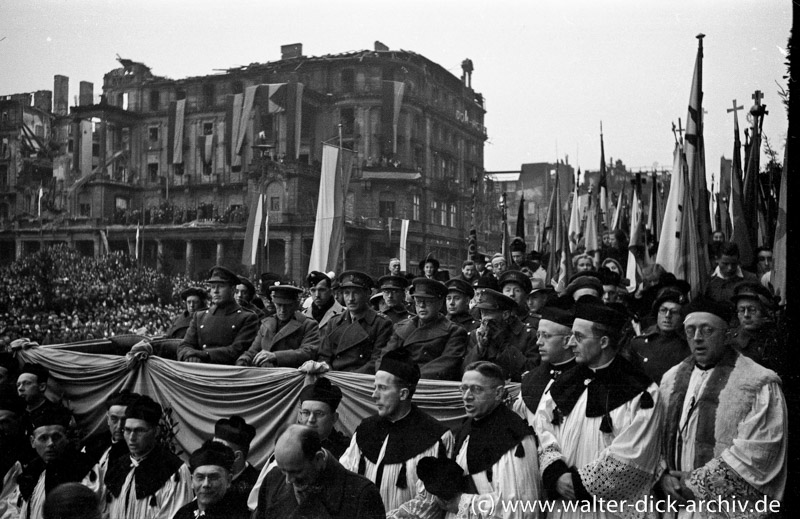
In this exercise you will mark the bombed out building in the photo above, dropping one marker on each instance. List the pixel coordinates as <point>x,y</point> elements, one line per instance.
<point>178,162</point>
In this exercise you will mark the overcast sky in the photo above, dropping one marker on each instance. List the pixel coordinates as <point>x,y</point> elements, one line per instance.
<point>550,70</point>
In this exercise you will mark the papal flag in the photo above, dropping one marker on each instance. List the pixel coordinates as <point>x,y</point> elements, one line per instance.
<point>559,266</point>
<point>329,227</point>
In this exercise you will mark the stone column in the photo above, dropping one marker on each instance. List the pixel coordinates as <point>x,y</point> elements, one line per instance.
<point>189,258</point>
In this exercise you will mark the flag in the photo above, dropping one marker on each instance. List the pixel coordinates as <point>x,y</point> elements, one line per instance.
<point>559,265</point>
<point>654,216</point>
<point>104,240</point>
<point>590,239</point>
<point>266,223</point>
<point>390,114</point>
<point>175,123</point>
<point>603,185</point>
<point>329,227</point>
<point>206,145</point>
<point>136,250</point>
<point>574,220</point>
<point>637,246</point>
<point>617,220</point>
<point>233,119</point>
<point>403,242</point>
<point>779,268</point>
<point>678,250</point>
<point>41,195</point>
<point>253,232</point>
<point>694,150</point>
<point>741,230</point>
<point>521,218</point>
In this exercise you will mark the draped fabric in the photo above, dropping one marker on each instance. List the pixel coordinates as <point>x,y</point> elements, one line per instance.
<point>200,394</point>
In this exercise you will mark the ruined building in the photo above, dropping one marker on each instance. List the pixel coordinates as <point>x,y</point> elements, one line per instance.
<point>177,161</point>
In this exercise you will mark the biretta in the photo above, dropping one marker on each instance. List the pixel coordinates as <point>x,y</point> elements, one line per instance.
<point>398,362</point>
<point>322,391</point>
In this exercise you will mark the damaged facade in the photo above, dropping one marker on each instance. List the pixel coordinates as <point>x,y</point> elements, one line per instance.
<point>180,159</point>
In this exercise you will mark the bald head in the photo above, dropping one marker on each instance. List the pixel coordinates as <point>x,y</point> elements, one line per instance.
<point>300,456</point>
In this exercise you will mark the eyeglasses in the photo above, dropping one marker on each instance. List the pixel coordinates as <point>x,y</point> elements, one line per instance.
<point>742,310</point>
<point>668,311</point>
<point>318,415</point>
<point>547,336</point>
<point>579,337</point>
<point>137,431</point>
<point>704,331</point>
<point>476,390</point>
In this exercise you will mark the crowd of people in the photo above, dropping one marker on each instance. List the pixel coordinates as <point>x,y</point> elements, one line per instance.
<point>628,394</point>
<point>168,213</point>
<point>58,296</point>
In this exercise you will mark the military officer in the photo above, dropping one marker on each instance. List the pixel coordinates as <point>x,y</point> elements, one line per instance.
<point>220,334</point>
<point>324,306</point>
<point>517,286</point>
<point>286,339</point>
<point>663,344</point>
<point>194,299</point>
<point>355,338</point>
<point>436,345</point>
<point>502,338</point>
<point>459,294</point>
<point>393,289</point>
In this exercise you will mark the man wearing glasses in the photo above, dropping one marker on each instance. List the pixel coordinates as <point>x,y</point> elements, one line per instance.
<point>387,446</point>
<point>725,434</point>
<point>496,450</point>
<point>152,482</point>
<point>599,424</point>
<point>663,344</point>
<point>436,344</point>
<point>552,338</point>
<point>757,335</point>
<point>318,404</point>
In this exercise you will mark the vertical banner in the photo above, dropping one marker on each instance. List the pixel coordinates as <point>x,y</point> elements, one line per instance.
<point>329,227</point>
<point>136,250</point>
<point>403,244</point>
<point>175,122</point>
<point>390,114</point>
<point>253,231</point>
<point>234,128</point>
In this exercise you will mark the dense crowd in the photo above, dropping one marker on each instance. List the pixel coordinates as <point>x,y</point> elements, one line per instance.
<point>58,296</point>
<point>168,213</point>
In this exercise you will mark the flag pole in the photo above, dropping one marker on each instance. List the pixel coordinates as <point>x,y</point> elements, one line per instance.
<point>344,201</point>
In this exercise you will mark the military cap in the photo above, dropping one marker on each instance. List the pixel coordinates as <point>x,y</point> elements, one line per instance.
<point>355,278</point>
<point>235,430</point>
<point>144,408</point>
<point>53,415</point>
<point>517,245</point>
<point>721,309</point>
<point>42,373</point>
<point>270,278</point>
<point>398,362</point>
<point>220,274</point>
<point>315,277</point>
<point>584,280</point>
<point>669,294</point>
<point>123,397</point>
<point>442,477</point>
<point>429,259</point>
<point>247,284</point>
<point>494,300</point>
<point>595,311</point>
<point>194,291</point>
<point>486,281</point>
<point>428,289</point>
<point>284,294</point>
<point>753,290</point>
<point>539,285</point>
<point>212,453</point>
<point>322,391</point>
<point>459,285</point>
<point>515,276</point>
<point>392,282</point>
